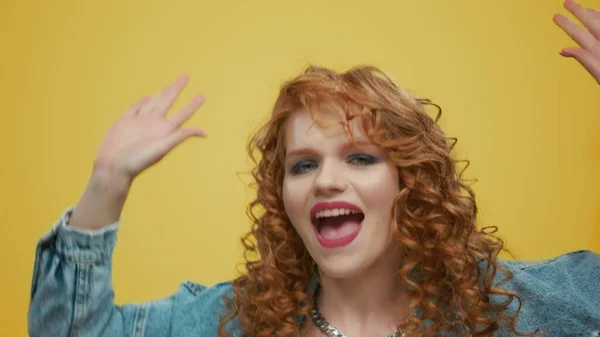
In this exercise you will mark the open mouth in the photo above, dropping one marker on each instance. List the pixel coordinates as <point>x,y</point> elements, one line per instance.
<point>336,224</point>
<point>336,219</point>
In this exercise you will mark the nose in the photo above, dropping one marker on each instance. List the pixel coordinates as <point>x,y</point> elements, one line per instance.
<point>330,179</point>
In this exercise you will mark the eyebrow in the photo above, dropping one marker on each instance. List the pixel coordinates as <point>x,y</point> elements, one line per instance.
<point>306,151</point>
<point>301,152</point>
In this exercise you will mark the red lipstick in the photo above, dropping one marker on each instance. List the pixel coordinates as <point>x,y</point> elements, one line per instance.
<point>337,242</point>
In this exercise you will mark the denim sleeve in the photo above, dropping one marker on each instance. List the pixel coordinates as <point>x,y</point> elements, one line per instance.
<point>561,296</point>
<point>72,291</point>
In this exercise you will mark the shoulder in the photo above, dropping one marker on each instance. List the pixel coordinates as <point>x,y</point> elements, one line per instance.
<point>574,273</point>
<point>192,291</point>
<point>198,300</point>
<point>560,295</point>
<point>193,310</point>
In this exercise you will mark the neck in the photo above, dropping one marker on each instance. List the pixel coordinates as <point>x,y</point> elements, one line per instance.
<point>371,303</point>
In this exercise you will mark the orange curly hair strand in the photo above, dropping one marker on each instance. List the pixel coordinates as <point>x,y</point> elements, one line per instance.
<point>450,266</point>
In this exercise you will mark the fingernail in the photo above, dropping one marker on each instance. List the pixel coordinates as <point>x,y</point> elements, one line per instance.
<point>183,77</point>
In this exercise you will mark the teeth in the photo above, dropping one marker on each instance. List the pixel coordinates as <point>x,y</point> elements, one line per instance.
<point>328,213</point>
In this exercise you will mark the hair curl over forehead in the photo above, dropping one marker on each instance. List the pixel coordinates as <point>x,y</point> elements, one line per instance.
<point>449,265</point>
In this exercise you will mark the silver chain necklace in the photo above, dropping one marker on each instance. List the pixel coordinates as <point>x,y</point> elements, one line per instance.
<point>331,331</point>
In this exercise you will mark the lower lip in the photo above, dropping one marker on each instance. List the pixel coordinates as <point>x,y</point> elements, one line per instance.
<point>339,242</point>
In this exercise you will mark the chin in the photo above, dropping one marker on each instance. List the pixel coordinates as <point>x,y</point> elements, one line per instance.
<point>353,261</point>
<point>341,268</point>
<point>356,260</point>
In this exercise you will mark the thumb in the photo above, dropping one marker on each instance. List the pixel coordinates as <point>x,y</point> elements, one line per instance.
<point>586,59</point>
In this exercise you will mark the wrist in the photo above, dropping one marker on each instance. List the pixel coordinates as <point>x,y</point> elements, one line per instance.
<point>110,182</point>
<point>102,201</point>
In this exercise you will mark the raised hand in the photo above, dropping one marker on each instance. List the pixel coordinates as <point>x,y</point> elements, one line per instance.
<point>587,37</point>
<point>143,135</point>
<point>136,141</point>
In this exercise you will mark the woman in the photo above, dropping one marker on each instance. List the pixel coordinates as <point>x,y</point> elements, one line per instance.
<point>362,222</point>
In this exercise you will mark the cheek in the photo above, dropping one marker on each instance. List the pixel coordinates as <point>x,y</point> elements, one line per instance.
<point>380,190</point>
<point>293,202</point>
<point>287,199</point>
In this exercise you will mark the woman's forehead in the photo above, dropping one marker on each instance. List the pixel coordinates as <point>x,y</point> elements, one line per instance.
<point>301,128</point>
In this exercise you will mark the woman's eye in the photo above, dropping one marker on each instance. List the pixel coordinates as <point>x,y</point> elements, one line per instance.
<point>362,159</point>
<point>303,167</point>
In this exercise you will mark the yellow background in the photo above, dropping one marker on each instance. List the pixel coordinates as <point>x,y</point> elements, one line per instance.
<point>525,117</point>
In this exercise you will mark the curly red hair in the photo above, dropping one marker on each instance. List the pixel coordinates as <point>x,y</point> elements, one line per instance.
<point>449,264</point>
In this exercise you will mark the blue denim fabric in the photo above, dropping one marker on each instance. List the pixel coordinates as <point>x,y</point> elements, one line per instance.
<point>72,294</point>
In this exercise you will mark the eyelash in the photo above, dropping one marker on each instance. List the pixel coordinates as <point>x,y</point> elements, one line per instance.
<point>300,167</point>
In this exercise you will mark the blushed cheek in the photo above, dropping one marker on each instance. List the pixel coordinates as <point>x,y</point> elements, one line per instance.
<point>379,193</point>
<point>292,204</point>
<point>295,211</point>
<point>382,189</point>
<point>287,203</point>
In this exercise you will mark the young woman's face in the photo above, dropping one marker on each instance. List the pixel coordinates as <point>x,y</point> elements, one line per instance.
<point>338,197</point>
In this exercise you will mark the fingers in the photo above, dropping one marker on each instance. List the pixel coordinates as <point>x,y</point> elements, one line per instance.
<point>185,113</point>
<point>133,110</point>
<point>162,107</point>
<point>588,17</point>
<point>177,137</point>
<point>586,59</point>
<point>162,102</point>
<point>583,37</point>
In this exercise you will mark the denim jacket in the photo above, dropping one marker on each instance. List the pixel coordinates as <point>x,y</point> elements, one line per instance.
<point>72,294</point>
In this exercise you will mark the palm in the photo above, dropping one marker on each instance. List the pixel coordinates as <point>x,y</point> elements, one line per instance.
<point>587,37</point>
<point>143,135</point>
